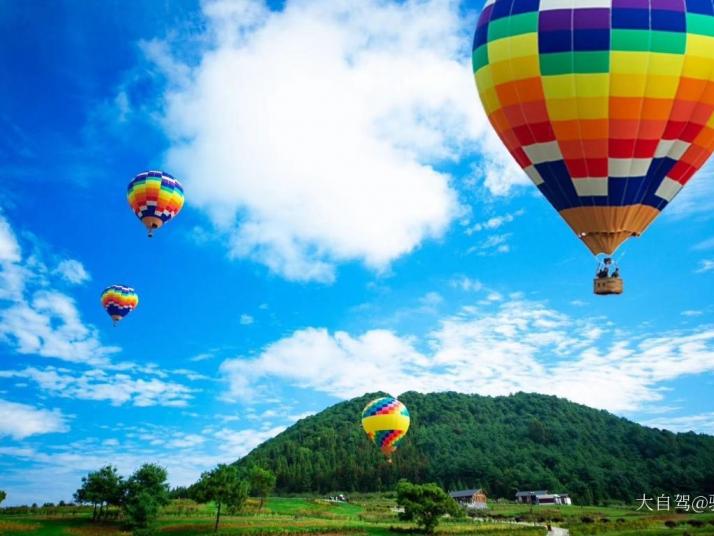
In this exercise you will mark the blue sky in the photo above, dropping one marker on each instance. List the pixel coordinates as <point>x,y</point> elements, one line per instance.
<point>351,224</point>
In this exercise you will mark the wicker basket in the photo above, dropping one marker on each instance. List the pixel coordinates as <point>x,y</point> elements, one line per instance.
<point>608,285</point>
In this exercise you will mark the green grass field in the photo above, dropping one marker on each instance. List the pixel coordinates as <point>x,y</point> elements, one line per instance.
<point>367,515</point>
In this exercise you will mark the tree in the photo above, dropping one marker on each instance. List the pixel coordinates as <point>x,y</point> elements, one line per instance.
<point>3,496</point>
<point>88,493</point>
<point>262,482</point>
<point>224,487</point>
<point>145,492</point>
<point>425,504</point>
<point>101,488</point>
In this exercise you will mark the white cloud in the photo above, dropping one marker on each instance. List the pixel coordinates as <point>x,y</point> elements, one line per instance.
<point>238,443</point>
<point>494,223</point>
<point>190,374</point>
<point>499,170</point>
<point>697,197</point>
<point>246,320</point>
<point>336,363</point>
<point>492,245</point>
<point>97,384</point>
<point>702,423</point>
<point>183,441</point>
<point>501,347</point>
<point>49,325</point>
<point>705,265</point>
<point>53,472</point>
<point>431,299</point>
<point>692,312</point>
<point>466,284</point>
<point>326,150</point>
<point>73,271</point>
<point>9,248</point>
<point>202,357</point>
<point>36,319</point>
<point>21,420</point>
<point>704,244</point>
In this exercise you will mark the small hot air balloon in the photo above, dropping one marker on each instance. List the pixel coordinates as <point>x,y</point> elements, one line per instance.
<point>119,301</point>
<point>155,197</point>
<point>607,105</point>
<point>386,421</point>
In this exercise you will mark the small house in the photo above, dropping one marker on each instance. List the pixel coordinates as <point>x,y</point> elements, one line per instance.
<point>471,498</point>
<point>542,497</point>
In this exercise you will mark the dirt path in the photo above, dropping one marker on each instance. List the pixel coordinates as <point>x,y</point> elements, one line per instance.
<point>557,531</point>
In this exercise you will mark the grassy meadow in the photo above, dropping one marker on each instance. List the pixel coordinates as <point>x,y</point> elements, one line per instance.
<point>365,515</point>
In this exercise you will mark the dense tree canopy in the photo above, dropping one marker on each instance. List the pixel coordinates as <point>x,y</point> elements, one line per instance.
<point>522,441</point>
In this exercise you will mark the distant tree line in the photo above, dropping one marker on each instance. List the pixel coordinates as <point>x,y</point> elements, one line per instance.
<point>502,444</point>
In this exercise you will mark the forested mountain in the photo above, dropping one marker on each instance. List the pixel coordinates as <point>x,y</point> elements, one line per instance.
<point>522,441</point>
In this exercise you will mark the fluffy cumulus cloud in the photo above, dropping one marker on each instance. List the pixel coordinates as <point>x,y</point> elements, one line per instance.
<point>329,149</point>
<point>19,421</point>
<point>34,318</point>
<point>501,347</point>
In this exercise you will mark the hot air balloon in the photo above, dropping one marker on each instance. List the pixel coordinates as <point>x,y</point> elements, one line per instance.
<point>155,197</point>
<point>386,421</point>
<point>607,105</point>
<point>119,301</point>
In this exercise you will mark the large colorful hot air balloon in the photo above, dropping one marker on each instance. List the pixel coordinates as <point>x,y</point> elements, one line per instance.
<point>607,105</point>
<point>386,421</point>
<point>119,301</point>
<point>155,197</point>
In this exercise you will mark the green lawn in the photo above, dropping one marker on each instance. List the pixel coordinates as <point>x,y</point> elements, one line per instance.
<point>368,515</point>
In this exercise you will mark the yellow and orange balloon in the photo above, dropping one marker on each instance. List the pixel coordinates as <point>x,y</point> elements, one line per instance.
<point>386,421</point>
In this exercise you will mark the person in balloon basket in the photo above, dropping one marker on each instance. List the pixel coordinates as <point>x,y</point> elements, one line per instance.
<point>604,269</point>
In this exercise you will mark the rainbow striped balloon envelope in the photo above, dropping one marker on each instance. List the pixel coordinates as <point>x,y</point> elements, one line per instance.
<point>155,197</point>
<point>607,105</point>
<point>118,301</point>
<point>386,421</point>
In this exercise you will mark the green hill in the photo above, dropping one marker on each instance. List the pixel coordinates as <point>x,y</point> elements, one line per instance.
<point>522,441</point>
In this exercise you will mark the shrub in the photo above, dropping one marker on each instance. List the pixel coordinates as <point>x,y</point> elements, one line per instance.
<point>670,524</point>
<point>425,504</point>
<point>587,519</point>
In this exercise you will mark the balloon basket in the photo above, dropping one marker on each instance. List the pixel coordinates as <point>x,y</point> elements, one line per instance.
<point>604,286</point>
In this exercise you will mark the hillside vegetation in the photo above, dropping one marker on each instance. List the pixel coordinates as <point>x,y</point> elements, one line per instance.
<point>522,441</point>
